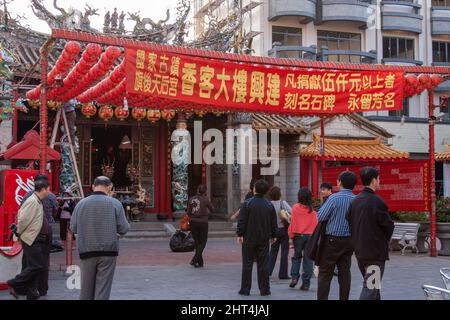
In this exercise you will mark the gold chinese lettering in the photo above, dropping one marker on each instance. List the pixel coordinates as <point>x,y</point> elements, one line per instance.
<point>328,82</point>
<point>188,79</point>
<point>223,77</point>
<point>205,85</point>
<point>152,61</point>
<point>138,81</point>
<point>140,59</point>
<point>273,89</point>
<point>257,87</point>
<point>240,86</point>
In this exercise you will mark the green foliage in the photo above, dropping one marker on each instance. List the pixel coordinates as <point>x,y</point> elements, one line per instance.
<point>442,213</point>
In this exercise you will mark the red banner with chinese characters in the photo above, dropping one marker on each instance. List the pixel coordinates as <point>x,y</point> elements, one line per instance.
<point>246,87</point>
<point>403,185</point>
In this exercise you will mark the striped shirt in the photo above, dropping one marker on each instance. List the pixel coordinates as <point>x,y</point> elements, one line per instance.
<point>334,210</point>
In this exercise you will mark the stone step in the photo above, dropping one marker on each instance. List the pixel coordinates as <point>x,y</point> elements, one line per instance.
<point>163,234</point>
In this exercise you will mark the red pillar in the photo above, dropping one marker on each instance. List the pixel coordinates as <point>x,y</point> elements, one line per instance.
<point>315,178</point>
<point>304,172</point>
<point>43,111</point>
<point>432,186</point>
<point>16,115</point>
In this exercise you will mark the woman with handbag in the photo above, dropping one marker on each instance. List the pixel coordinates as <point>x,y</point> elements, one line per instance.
<point>197,210</point>
<point>283,210</point>
<point>303,223</point>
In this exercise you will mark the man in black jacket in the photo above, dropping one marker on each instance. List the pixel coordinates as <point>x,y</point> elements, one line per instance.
<point>371,228</point>
<point>257,225</point>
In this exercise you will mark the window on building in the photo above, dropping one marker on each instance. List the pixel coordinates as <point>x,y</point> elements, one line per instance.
<point>287,36</point>
<point>440,3</point>
<point>441,51</point>
<point>400,48</point>
<point>403,112</point>
<point>340,41</point>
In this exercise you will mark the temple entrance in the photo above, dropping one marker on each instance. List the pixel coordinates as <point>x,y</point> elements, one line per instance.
<point>111,153</point>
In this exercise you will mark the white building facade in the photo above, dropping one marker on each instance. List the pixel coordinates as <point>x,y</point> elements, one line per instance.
<point>407,32</point>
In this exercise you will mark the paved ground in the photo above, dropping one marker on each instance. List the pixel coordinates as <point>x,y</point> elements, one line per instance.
<point>147,269</point>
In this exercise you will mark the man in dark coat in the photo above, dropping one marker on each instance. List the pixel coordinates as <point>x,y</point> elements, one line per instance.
<point>257,225</point>
<point>371,228</point>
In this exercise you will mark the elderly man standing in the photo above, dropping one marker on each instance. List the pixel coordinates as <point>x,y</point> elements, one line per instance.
<point>98,220</point>
<point>33,230</point>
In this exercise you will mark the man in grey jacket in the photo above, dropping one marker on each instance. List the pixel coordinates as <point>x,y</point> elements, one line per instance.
<point>98,220</point>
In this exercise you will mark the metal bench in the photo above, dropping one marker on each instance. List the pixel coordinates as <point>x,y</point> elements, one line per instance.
<point>445,274</point>
<point>435,293</point>
<point>406,234</point>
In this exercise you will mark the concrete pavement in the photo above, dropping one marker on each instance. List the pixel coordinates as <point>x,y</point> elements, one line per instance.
<point>147,269</point>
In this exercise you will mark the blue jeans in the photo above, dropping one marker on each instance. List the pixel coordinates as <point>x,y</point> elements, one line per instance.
<point>300,242</point>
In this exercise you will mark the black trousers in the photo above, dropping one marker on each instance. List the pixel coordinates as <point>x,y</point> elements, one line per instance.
<point>260,252</point>
<point>35,273</point>
<point>283,242</point>
<point>337,251</point>
<point>372,272</point>
<point>199,232</point>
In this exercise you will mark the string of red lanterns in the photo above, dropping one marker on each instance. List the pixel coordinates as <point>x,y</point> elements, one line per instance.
<point>88,59</point>
<point>104,64</point>
<point>417,84</point>
<point>61,68</point>
<point>106,85</point>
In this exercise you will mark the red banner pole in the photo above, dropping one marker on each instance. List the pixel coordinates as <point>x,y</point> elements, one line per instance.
<point>43,110</point>
<point>322,141</point>
<point>432,185</point>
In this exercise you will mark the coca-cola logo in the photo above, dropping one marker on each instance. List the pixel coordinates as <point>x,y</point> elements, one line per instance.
<point>22,188</point>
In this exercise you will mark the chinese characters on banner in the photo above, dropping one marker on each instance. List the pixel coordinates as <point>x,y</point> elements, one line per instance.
<point>235,86</point>
<point>403,185</point>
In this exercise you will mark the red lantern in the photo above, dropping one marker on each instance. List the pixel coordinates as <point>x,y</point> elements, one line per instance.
<point>105,113</point>
<point>153,115</point>
<point>88,110</point>
<point>121,113</point>
<point>73,47</point>
<point>436,80</point>
<point>419,88</point>
<point>411,79</point>
<point>138,113</point>
<point>167,114</point>
<point>425,81</point>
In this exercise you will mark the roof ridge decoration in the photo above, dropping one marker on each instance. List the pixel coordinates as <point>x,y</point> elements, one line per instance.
<point>444,155</point>
<point>352,150</point>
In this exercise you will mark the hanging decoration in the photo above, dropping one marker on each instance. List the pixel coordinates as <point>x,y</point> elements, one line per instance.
<point>105,113</point>
<point>121,113</point>
<point>88,59</point>
<point>138,113</point>
<point>60,69</point>
<point>104,86</point>
<point>88,110</point>
<point>153,115</point>
<point>200,113</point>
<point>417,84</point>
<point>167,114</point>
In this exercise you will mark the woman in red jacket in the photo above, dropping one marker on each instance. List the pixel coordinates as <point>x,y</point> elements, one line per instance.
<point>303,223</point>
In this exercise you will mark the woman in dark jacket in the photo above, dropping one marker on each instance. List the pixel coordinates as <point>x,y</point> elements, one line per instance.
<point>197,210</point>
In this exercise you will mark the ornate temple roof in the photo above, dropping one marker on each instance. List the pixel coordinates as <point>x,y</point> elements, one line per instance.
<point>289,125</point>
<point>353,149</point>
<point>444,155</point>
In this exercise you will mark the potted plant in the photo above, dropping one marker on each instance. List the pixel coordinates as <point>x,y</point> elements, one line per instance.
<point>443,225</point>
<point>424,229</point>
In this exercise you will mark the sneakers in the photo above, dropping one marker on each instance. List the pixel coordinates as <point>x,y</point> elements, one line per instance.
<point>304,288</point>
<point>243,293</point>
<point>265,293</point>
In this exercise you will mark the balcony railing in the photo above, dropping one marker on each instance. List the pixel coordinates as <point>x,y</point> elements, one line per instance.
<point>440,20</point>
<point>305,9</point>
<point>346,10</point>
<point>401,16</point>
<point>353,56</point>
<point>293,52</point>
<point>401,61</point>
